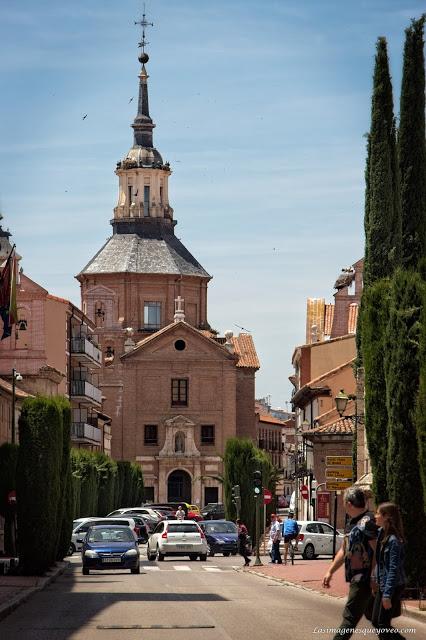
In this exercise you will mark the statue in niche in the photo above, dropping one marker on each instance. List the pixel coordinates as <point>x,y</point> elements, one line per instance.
<point>179,442</point>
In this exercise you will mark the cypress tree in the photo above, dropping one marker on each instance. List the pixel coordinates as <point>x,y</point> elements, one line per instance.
<point>8,462</point>
<point>421,406</point>
<point>382,211</point>
<point>374,321</point>
<point>402,382</point>
<point>107,471</point>
<point>38,483</point>
<point>412,148</point>
<point>65,507</point>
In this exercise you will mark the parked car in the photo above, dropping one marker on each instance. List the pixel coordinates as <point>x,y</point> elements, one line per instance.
<point>221,535</point>
<point>177,538</point>
<point>142,527</point>
<point>213,511</point>
<point>110,547</point>
<point>192,511</point>
<point>82,528</point>
<point>316,539</point>
<point>142,511</point>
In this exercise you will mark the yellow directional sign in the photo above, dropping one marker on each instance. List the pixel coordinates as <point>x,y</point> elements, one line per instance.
<point>337,485</point>
<point>338,461</point>
<point>338,472</point>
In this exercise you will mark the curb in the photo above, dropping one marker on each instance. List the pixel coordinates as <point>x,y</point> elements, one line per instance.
<point>406,612</point>
<point>14,603</point>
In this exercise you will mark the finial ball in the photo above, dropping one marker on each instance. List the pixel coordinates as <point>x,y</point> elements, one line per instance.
<point>143,57</point>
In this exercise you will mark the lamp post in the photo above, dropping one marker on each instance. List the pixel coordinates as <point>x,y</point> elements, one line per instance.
<point>16,377</point>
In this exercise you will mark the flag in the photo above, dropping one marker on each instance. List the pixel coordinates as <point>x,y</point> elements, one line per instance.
<point>8,310</point>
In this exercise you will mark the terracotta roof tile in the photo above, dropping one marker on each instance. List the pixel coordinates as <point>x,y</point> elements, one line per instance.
<point>271,420</point>
<point>7,386</point>
<point>353,317</point>
<point>245,349</point>
<point>328,319</point>
<point>342,425</point>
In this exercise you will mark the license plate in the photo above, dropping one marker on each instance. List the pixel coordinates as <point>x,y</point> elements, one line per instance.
<point>184,546</point>
<point>111,560</point>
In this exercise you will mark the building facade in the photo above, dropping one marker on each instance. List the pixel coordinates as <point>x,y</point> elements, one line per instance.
<point>174,389</point>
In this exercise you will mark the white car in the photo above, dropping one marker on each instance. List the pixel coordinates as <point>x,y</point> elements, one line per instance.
<point>177,538</point>
<point>81,527</point>
<point>142,511</point>
<point>316,539</point>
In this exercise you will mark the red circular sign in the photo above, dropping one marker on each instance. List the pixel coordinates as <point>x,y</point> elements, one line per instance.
<point>267,496</point>
<point>304,491</point>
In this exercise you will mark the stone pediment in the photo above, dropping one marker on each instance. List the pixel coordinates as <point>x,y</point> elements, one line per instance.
<point>179,442</point>
<point>100,291</point>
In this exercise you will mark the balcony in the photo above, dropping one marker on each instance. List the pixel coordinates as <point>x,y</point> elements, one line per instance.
<point>85,392</point>
<point>85,432</point>
<point>86,351</point>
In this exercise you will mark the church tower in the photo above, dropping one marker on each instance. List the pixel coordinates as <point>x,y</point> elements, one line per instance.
<point>175,390</point>
<point>135,278</point>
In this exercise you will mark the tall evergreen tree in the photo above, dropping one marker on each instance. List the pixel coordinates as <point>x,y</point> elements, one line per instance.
<point>421,406</point>
<point>374,321</point>
<point>412,147</point>
<point>402,382</point>
<point>382,211</point>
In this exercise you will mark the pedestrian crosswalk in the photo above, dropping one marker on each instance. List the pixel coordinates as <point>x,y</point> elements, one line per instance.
<point>185,567</point>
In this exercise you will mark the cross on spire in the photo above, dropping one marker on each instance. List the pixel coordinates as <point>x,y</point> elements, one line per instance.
<point>143,23</point>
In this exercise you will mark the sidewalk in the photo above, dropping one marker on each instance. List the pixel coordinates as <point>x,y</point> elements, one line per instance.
<point>16,589</point>
<point>308,574</point>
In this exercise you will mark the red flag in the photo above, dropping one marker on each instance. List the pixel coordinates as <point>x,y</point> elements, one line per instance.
<point>8,310</point>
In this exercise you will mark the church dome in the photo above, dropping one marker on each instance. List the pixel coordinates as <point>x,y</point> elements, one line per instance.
<point>142,157</point>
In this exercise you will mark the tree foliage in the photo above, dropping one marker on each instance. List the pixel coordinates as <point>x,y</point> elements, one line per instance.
<point>66,502</point>
<point>38,483</point>
<point>412,146</point>
<point>8,462</point>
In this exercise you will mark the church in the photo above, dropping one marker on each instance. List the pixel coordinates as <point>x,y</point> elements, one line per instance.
<point>175,389</point>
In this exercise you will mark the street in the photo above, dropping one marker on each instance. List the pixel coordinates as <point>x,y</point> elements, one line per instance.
<point>191,600</point>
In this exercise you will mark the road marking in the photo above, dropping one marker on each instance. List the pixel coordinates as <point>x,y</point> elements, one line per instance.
<point>181,568</point>
<point>151,568</point>
<point>212,569</point>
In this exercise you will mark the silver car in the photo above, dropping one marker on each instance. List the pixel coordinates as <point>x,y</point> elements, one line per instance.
<point>177,538</point>
<point>82,526</point>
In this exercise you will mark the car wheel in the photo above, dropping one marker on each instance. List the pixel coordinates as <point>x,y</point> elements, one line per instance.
<point>71,549</point>
<point>226,554</point>
<point>85,571</point>
<point>234,553</point>
<point>151,556</point>
<point>211,553</point>
<point>203,557</point>
<point>160,556</point>
<point>309,552</point>
<point>192,556</point>
<point>136,569</point>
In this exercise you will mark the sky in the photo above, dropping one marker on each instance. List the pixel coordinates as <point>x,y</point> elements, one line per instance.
<point>261,109</point>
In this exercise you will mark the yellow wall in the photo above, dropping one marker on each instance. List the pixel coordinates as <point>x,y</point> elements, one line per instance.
<point>326,356</point>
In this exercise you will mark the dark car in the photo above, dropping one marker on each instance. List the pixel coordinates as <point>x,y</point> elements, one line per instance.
<point>110,547</point>
<point>142,529</point>
<point>221,535</point>
<point>213,511</point>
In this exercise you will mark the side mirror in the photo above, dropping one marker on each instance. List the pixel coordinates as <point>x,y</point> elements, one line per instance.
<point>80,540</point>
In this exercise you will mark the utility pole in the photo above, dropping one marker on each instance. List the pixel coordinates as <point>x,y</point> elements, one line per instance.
<point>258,493</point>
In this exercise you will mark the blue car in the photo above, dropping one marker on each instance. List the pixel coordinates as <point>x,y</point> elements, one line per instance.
<point>110,547</point>
<point>221,536</point>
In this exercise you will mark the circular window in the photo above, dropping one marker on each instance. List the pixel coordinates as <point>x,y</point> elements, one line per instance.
<point>180,345</point>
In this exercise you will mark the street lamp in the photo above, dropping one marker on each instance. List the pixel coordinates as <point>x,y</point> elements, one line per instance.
<point>341,401</point>
<point>16,377</point>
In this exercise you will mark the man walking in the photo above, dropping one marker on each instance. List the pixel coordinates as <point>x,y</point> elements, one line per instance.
<point>357,554</point>
<point>180,513</point>
<point>275,539</point>
<point>242,542</point>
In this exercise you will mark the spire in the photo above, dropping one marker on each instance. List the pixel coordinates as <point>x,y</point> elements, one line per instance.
<point>142,124</point>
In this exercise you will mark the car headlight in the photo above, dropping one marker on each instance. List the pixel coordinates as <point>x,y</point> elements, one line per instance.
<point>131,552</point>
<point>91,554</point>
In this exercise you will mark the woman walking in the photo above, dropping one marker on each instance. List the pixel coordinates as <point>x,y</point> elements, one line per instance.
<point>242,542</point>
<point>389,580</point>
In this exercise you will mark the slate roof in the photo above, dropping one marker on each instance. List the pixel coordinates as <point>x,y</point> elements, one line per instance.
<point>128,252</point>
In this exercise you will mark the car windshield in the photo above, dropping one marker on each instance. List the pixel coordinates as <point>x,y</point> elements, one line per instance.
<point>220,527</point>
<point>110,535</point>
<point>183,528</point>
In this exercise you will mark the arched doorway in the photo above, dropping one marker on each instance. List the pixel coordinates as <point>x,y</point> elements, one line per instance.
<point>179,487</point>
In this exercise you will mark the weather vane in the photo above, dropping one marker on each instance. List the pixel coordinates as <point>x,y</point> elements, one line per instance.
<point>143,23</point>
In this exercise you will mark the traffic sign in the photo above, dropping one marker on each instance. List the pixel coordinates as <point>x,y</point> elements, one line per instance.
<point>304,491</point>
<point>267,496</point>
<point>338,485</point>
<point>338,461</point>
<point>345,473</point>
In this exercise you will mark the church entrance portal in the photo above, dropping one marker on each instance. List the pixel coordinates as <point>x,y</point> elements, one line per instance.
<point>179,487</point>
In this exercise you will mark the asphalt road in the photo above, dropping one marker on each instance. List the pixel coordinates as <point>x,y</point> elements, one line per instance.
<point>193,600</point>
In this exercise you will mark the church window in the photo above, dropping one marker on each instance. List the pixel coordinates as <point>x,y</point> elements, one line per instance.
<point>207,434</point>
<point>179,392</point>
<point>180,345</point>
<point>161,195</point>
<point>129,190</point>
<point>151,435</point>
<point>146,201</point>
<point>152,315</point>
